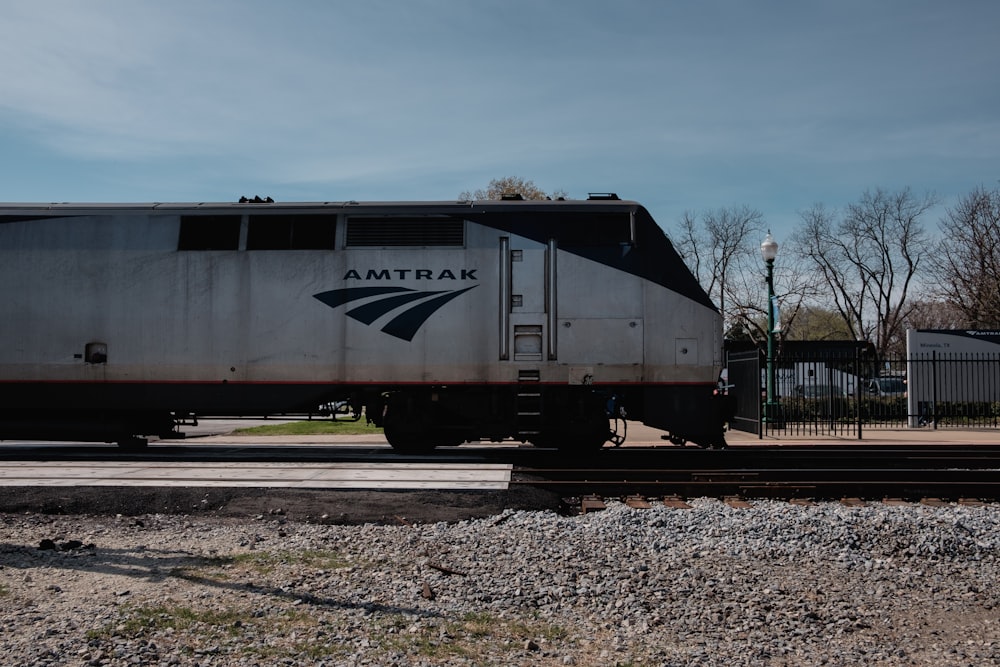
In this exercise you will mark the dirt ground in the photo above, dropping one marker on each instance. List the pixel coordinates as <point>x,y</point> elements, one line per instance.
<point>319,506</point>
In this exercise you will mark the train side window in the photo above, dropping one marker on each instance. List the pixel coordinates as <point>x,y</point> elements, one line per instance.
<point>291,232</point>
<point>209,232</point>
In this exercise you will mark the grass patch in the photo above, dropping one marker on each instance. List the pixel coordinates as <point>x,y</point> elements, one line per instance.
<point>313,427</point>
<point>303,635</point>
<point>465,637</point>
<point>144,620</point>
<point>221,568</point>
<point>204,627</point>
<point>266,561</point>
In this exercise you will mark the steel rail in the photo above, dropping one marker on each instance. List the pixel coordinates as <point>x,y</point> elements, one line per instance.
<point>775,483</point>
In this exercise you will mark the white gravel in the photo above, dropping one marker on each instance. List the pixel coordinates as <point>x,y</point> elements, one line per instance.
<point>775,584</point>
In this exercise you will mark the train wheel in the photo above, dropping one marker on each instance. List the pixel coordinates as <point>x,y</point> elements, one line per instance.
<point>403,425</point>
<point>406,439</point>
<point>585,436</point>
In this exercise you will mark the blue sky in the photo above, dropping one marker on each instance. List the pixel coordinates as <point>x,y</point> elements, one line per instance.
<point>683,106</point>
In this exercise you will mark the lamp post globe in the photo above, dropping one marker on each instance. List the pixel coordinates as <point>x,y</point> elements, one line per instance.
<point>769,248</point>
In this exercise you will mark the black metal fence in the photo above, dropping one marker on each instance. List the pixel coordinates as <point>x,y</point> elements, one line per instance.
<point>847,392</point>
<point>744,371</point>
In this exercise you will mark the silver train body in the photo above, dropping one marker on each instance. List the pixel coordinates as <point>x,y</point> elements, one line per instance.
<point>444,321</point>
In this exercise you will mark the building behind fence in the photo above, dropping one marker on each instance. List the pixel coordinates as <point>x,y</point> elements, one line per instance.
<point>954,377</point>
<point>947,378</point>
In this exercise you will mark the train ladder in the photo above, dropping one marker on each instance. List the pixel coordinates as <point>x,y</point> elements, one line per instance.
<point>529,405</point>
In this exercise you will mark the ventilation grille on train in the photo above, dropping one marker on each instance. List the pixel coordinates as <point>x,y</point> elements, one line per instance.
<point>400,231</point>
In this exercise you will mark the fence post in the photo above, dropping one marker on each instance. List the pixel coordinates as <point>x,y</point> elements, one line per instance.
<point>857,387</point>
<point>934,388</point>
<point>761,421</point>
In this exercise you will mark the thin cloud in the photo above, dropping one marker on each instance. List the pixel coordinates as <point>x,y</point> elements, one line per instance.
<point>683,106</point>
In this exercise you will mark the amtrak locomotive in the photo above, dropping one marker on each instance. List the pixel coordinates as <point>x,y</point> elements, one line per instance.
<point>443,321</point>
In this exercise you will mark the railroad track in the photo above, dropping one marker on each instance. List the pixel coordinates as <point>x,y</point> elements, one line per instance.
<point>595,503</point>
<point>794,473</point>
<point>772,483</point>
<point>900,471</point>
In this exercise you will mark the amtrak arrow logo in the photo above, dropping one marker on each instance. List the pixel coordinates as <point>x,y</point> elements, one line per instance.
<point>408,321</point>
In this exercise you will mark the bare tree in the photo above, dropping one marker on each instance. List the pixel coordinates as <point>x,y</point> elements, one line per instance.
<point>690,244</point>
<point>934,314</point>
<point>868,260</point>
<point>722,248</point>
<point>511,185</point>
<point>818,241</point>
<point>718,247</point>
<point>967,263</point>
<point>817,323</point>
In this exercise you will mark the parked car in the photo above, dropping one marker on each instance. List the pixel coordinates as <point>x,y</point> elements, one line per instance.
<point>887,386</point>
<point>818,390</point>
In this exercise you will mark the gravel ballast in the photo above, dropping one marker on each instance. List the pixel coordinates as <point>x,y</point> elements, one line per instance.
<point>775,584</point>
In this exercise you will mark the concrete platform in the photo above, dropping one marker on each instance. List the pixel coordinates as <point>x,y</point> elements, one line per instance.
<point>875,437</point>
<point>269,475</point>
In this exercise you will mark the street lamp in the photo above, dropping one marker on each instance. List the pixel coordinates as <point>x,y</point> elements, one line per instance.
<point>769,251</point>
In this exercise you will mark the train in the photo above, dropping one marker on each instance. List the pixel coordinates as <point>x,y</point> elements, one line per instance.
<point>442,322</point>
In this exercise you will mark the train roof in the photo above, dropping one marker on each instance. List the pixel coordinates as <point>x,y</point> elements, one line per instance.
<point>257,204</point>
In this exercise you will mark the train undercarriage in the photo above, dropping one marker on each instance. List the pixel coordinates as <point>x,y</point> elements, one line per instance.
<point>419,420</point>
<point>574,419</point>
